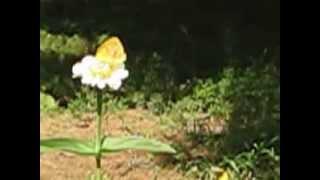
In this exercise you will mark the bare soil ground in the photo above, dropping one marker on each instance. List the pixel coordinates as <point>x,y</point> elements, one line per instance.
<point>129,165</point>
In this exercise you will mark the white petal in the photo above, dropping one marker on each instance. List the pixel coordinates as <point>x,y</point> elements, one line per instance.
<point>101,84</point>
<point>120,74</point>
<point>81,67</point>
<point>87,79</point>
<point>123,73</point>
<point>114,83</point>
<point>77,70</point>
<point>88,59</point>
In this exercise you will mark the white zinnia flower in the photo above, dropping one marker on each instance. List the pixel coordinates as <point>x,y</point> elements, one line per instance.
<point>96,73</point>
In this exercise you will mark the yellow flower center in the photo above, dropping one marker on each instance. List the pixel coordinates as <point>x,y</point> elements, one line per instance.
<point>101,72</point>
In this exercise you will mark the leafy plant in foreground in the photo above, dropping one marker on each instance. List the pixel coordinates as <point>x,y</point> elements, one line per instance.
<point>261,161</point>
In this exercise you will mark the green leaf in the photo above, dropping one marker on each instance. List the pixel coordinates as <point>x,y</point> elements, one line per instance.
<point>116,144</point>
<point>44,149</point>
<point>47,102</point>
<point>69,145</point>
<point>102,38</point>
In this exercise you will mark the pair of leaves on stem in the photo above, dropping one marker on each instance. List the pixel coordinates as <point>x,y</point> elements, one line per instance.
<point>109,145</point>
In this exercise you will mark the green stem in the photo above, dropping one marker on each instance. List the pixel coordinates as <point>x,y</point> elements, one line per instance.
<point>99,175</point>
<point>98,135</point>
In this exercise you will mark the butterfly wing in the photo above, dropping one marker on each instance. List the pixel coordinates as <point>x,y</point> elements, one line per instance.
<point>112,52</point>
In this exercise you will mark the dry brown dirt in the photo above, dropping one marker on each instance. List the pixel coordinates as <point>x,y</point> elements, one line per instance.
<point>129,165</point>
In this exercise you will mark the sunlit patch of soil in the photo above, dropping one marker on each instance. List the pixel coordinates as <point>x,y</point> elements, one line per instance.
<point>129,165</point>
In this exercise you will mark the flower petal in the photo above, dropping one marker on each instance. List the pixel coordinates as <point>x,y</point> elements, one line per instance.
<point>114,83</point>
<point>94,73</point>
<point>101,84</point>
